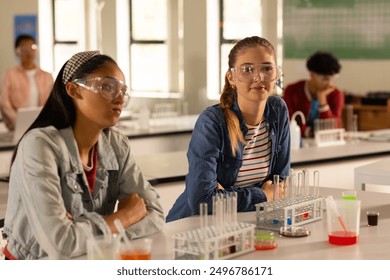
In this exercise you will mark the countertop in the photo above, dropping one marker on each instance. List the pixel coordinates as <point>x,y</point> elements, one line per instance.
<point>371,245</point>
<point>173,166</point>
<point>133,129</point>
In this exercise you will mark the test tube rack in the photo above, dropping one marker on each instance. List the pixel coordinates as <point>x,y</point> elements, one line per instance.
<point>329,137</point>
<point>212,243</point>
<point>294,211</point>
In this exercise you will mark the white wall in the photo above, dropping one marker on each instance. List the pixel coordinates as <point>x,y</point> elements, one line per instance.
<point>357,76</point>
<point>9,9</point>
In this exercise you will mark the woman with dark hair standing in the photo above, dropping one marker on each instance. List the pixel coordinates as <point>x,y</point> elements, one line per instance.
<point>25,85</point>
<point>71,168</point>
<point>239,144</point>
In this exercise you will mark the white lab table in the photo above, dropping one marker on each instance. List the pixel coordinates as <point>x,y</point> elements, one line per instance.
<point>351,150</point>
<point>373,241</point>
<point>377,173</point>
<point>173,166</point>
<point>180,125</point>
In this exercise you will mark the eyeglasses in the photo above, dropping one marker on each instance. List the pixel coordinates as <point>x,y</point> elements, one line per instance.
<point>107,87</point>
<point>25,49</point>
<point>327,78</point>
<point>249,73</point>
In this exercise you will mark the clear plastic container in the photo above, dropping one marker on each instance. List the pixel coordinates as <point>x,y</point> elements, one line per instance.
<point>265,240</point>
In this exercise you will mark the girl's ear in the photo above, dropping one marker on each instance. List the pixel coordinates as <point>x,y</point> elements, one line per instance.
<point>230,78</point>
<point>72,90</point>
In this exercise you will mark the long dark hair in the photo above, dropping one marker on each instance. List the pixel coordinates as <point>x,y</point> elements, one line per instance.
<point>59,110</point>
<point>229,93</point>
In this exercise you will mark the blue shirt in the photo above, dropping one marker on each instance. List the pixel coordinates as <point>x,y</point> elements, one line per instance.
<point>211,160</point>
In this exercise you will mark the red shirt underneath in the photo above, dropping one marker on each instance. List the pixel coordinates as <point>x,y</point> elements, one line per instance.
<point>91,175</point>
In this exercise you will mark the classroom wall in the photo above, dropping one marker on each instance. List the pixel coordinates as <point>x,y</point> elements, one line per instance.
<point>8,9</point>
<point>357,76</point>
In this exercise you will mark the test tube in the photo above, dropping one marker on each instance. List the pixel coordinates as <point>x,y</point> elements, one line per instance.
<point>322,125</point>
<point>203,212</point>
<point>355,128</point>
<point>225,211</point>
<point>316,183</point>
<point>214,205</point>
<point>349,114</point>
<point>306,182</point>
<point>316,125</point>
<point>300,184</point>
<point>228,209</point>
<point>292,185</point>
<point>276,187</point>
<point>287,187</point>
<point>233,208</point>
<point>218,212</point>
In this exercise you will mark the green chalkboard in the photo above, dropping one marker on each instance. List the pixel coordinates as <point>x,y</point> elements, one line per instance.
<point>351,29</point>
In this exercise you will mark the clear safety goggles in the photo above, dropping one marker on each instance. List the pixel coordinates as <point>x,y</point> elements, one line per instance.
<point>25,49</point>
<point>107,87</point>
<point>249,73</point>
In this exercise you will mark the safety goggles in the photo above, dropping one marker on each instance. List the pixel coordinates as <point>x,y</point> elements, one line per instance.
<point>107,87</point>
<point>249,73</point>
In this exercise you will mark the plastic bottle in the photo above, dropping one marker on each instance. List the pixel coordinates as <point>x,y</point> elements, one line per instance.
<point>295,130</point>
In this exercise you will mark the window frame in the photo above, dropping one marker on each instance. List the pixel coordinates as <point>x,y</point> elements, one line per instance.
<point>169,93</point>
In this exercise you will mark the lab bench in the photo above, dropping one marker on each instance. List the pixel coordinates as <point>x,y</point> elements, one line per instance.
<point>377,173</point>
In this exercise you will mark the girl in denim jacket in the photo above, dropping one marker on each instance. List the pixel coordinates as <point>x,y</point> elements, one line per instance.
<point>72,167</point>
<point>239,144</point>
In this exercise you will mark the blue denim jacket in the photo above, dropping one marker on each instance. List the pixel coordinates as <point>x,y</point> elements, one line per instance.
<point>47,181</point>
<point>211,160</point>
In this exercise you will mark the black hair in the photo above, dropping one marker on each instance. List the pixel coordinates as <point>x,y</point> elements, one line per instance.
<point>324,63</point>
<point>23,37</point>
<point>59,110</point>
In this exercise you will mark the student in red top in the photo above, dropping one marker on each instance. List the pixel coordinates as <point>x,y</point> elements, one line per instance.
<point>318,97</point>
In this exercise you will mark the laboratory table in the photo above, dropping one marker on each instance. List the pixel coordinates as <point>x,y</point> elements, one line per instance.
<point>173,166</point>
<point>377,173</point>
<point>180,125</point>
<point>373,241</point>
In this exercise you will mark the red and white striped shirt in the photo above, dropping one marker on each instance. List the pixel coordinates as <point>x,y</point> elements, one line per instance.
<point>256,156</point>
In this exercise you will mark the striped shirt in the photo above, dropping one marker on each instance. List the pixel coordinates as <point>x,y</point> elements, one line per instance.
<point>256,156</point>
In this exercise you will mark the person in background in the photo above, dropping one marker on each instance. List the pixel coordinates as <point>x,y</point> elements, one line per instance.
<point>25,85</point>
<point>239,144</point>
<point>72,166</point>
<point>318,97</point>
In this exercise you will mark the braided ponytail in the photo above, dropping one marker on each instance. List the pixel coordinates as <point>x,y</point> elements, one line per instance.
<point>229,92</point>
<point>232,122</point>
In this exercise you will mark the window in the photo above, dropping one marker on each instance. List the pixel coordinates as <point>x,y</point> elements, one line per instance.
<point>236,19</point>
<point>68,31</point>
<point>149,53</point>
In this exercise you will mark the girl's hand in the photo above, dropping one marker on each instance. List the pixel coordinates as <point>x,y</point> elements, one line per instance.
<point>131,210</point>
<point>69,216</point>
<point>268,189</point>
<point>219,187</point>
<point>134,206</point>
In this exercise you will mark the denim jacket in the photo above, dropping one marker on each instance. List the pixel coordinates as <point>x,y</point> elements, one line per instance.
<point>47,181</point>
<point>211,160</point>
